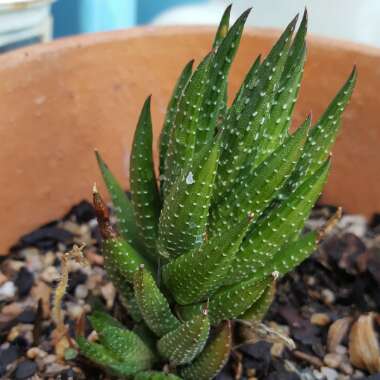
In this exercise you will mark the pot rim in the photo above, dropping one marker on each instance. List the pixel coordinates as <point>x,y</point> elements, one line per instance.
<point>33,52</point>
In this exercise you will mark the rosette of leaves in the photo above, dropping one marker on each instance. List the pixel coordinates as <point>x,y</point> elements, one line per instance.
<point>198,246</point>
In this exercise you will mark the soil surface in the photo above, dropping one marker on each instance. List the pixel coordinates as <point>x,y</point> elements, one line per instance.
<point>322,324</point>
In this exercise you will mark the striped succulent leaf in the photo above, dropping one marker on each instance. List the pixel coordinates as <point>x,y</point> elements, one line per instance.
<point>171,113</point>
<point>120,351</point>
<point>153,305</point>
<point>145,195</point>
<point>213,357</point>
<point>183,219</point>
<point>280,226</point>
<point>183,344</point>
<point>244,129</point>
<point>122,206</point>
<point>207,245</point>
<point>197,274</point>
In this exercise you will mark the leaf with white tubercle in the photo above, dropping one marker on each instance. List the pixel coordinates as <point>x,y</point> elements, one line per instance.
<point>233,300</point>
<point>123,207</point>
<point>322,136</point>
<point>153,305</point>
<point>257,311</point>
<point>246,87</point>
<point>184,215</point>
<point>213,357</point>
<point>243,129</point>
<point>256,189</point>
<point>128,300</point>
<point>197,274</point>
<point>214,99</point>
<point>277,125</point>
<point>183,344</point>
<point>155,375</point>
<point>120,258</point>
<point>127,345</point>
<point>145,196</point>
<point>279,226</point>
<point>104,358</point>
<point>180,150</point>
<point>223,27</point>
<point>171,115</point>
<point>120,351</point>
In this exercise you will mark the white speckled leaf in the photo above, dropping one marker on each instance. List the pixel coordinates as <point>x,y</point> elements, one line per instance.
<point>145,196</point>
<point>196,274</point>
<point>183,219</point>
<point>182,345</point>
<point>153,305</point>
<point>278,227</point>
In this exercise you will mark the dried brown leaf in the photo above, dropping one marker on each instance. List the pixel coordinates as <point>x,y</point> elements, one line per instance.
<point>364,345</point>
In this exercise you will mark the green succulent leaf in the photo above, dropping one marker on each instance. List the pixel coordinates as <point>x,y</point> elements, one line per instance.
<point>155,375</point>
<point>293,253</point>
<point>171,113</point>
<point>181,146</point>
<point>214,99</point>
<point>245,129</point>
<point>322,136</point>
<point>104,358</point>
<point>145,195</point>
<point>246,87</point>
<point>183,344</point>
<point>277,124</point>
<point>128,300</point>
<point>232,301</point>
<point>121,260</point>
<point>281,225</point>
<point>124,344</point>
<point>212,359</point>
<point>197,274</point>
<point>126,222</point>
<point>256,189</point>
<point>153,305</point>
<point>257,311</point>
<point>183,219</point>
<point>222,28</point>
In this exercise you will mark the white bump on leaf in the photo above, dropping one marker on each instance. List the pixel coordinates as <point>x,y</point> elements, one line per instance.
<point>190,179</point>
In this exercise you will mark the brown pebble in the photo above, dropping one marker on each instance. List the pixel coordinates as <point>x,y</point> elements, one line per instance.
<point>12,310</point>
<point>109,293</point>
<point>277,349</point>
<point>35,352</point>
<point>332,360</point>
<point>313,360</point>
<point>320,319</point>
<point>3,278</point>
<point>42,291</point>
<point>94,258</point>
<point>50,359</point>
<point>50,274</point>
<point>346,368</point>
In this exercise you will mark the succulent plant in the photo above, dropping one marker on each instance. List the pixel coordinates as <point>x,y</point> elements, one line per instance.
<point>203,244</point>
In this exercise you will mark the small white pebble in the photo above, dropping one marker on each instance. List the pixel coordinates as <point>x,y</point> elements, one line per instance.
<point>329,373</point>
<point>7,291</point>
<point>81,291</point>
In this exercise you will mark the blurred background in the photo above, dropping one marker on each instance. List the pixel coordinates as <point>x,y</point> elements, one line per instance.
<point>24,22</point>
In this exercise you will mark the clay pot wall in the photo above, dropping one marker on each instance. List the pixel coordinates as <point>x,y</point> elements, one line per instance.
<point>61,100</point>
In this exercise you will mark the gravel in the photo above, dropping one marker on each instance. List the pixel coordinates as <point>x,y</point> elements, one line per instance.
<point>316,305</point>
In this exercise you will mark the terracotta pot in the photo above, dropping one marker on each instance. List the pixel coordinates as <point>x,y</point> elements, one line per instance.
<point>61,100</point>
